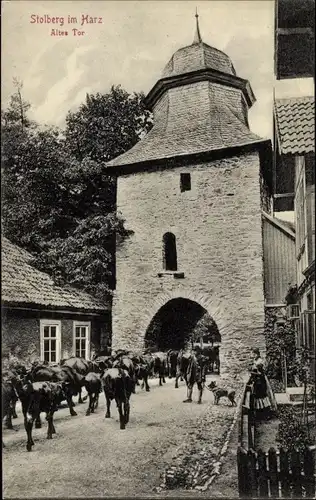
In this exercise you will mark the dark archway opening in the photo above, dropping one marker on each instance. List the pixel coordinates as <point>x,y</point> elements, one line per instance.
<point>178,323</point>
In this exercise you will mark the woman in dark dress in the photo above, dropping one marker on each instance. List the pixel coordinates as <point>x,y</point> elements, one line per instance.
<point>264,399</point>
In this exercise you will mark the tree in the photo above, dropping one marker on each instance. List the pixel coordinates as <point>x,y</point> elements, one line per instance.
<point>206,328</point>
<point>107,125</point>
<point>58,201</point>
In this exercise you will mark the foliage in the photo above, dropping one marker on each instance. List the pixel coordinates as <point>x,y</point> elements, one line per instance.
<point>280,340</point>
<point>292,434</point>
<point>206,328</point>
<point>58,201</point>
<point>302,366</point>
<point>276,385</point>
<point>107,125</point>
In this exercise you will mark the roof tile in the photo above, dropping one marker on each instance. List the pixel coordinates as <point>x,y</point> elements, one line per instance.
<point>295,125</point>
<point>23,284</point>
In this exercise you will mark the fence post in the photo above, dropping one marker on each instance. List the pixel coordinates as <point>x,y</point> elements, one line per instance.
<point>309,469</point>
<point>262,475</point>
<point>243,485</point>
<point>252,473</point>
<point>296,474</point>
<point>284,473</point>
<point>251,421</point>
<point>273,469</point>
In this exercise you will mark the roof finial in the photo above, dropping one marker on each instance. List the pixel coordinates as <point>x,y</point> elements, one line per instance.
<point>197,36</point>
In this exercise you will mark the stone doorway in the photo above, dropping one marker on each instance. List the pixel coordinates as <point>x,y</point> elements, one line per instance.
<point>178,323</point>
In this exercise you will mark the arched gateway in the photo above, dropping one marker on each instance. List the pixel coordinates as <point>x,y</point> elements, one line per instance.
<point>192,193</point>
<point>178,323</point>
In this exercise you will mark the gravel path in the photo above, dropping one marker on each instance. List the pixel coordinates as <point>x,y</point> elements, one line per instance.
<point>91,456</point>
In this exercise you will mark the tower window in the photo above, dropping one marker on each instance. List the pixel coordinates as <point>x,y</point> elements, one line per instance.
<point>185,182</point>
<point>169,252</point>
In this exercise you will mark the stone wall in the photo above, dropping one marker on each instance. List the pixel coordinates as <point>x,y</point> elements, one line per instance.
<point>21,331</point>
<point>218,230</point>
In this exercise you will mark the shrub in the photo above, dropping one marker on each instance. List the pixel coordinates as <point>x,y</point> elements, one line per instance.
<point>280,339</point>
<point>292,433</point>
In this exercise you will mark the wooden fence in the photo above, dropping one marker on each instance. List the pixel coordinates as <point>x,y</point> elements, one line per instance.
<point>246,419</point>
<point>276,474</point>
<point>272,474</point>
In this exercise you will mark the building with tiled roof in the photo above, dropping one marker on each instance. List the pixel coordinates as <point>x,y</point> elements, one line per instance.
<point>192,191</point>
<point>34,306</point>
<point>294,156</point>
<point>295,125</point>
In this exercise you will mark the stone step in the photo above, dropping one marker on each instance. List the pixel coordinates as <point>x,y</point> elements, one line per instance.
<point>282,398</point>
<point>295,393</point>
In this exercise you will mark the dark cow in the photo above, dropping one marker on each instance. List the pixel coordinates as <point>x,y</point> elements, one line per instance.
<point>119,353</point>
<point>160,366</point>
<point>142,373</point>
<point>81,366</point>
<point>73,381</point>
<point>195,374</point>
<point>125,363</point>
<point>93,387</point>
<point>103,362</point>
<point>11,376</point>
<point>182,366</point>
<point>35,398</point>
<point>118,385</point>
<point>142,370</point>
<point>172,357</point>
<point>148,359</point>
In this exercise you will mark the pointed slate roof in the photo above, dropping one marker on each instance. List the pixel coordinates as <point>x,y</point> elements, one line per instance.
<point>199,105</point>
<point>295,125</point>
<point>22,284</point>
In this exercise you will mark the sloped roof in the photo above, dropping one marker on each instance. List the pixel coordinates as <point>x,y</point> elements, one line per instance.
<point>286,226</point>
<point>23,284</point>
<point>179,132</point>
<point>198,56</point>
<point>295,125</point>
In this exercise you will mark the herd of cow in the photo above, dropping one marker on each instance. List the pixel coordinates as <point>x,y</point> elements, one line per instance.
<point>41,387</point>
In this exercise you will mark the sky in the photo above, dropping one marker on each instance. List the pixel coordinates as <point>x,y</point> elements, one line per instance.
<point>129,44</point>
<point>130,47</point>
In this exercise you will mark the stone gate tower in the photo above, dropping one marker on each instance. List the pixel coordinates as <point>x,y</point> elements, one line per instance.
<point>192,191</point>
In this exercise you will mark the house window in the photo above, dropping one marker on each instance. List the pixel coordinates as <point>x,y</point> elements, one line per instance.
<point>185,182</point>
<point>169,252</point>
<point>82,339</point>
<point>50,333</point>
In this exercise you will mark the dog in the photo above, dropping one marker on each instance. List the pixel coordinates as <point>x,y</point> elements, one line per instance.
<point>220,392</point>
